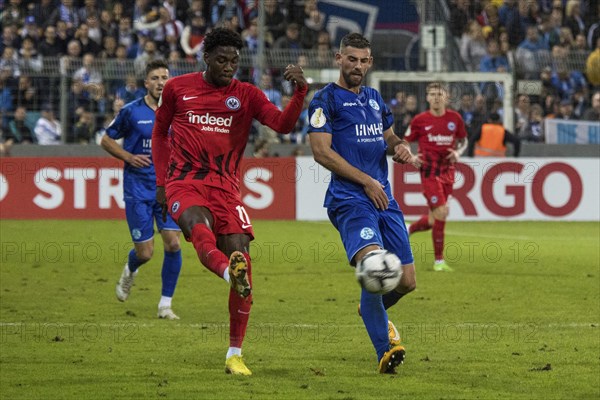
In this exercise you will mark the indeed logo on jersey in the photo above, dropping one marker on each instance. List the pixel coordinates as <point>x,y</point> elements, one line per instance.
<point>210,122</point>
<point>440,140</point>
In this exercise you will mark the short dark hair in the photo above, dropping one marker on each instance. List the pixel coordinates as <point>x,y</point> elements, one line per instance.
<point>156,64</point>
<point>355,40</point>
<point>222,37</point>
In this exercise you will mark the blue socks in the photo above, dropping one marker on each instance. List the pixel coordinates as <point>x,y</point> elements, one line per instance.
<point>133,262</point>
<point>170,272</point>
<point>376,321</point>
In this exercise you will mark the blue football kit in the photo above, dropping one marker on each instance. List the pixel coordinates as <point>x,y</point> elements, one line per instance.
<point>356,123</point>
<point>134,125</point>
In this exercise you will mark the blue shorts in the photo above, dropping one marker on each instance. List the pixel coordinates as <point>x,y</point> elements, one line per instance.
<point>141,216</point>
<point>360,224</point>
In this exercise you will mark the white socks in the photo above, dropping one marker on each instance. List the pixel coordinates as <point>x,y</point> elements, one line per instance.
<point>164,302</point>
<point>233,351</point>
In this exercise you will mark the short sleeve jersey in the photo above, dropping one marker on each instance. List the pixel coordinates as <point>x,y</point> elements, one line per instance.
<point>134,125</point>
<point>436,135</point>
<point>356,123</point>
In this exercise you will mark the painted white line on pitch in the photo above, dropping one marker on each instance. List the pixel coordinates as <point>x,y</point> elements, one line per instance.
<point>500,236</point>
<point>307,326</point>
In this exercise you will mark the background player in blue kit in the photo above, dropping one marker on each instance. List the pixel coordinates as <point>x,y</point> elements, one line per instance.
<point>134,124</point>
<point>351,130</point>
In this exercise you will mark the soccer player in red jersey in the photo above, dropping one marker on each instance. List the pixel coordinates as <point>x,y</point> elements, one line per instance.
<point>442,139</point>
<point>202,126</point>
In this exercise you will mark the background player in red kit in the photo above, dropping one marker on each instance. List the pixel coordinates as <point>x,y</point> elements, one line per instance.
<point>442,140</point>
<point>202,126</point>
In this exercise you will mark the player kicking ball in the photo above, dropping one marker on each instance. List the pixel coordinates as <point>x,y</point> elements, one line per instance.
<point>133,124</point>
<point>202,127</point>
<point>351,131</point>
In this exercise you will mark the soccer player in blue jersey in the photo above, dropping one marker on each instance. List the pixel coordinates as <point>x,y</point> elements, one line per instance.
<point>134,124</point>
<point>351,131</point>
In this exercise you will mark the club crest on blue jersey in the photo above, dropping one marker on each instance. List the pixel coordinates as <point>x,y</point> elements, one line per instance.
<point>451,126</point>
<point>175,207</point>
<point>374,104</point>
<point>367,233</point>
<point>136,233</point>
<point>233,103</point>
<point>318,119</point>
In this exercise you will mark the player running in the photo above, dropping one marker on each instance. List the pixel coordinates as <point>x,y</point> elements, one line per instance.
<point>134,124</point>
<point>351,130</point>
<point>442,140</point>
<point>202,128</point>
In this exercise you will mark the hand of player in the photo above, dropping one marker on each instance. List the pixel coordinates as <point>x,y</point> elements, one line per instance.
<point>139,160</point>
<point>295,74</point>
<point>161,198</point>
<point>452,156</point>
<point>375,192</point>
<point>403,155</point>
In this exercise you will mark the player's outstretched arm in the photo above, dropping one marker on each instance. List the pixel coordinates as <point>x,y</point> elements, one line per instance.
<point>284,121</point>
<point>320,143</point>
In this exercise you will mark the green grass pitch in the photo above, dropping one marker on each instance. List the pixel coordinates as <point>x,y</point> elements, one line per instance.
<point>519,319</point>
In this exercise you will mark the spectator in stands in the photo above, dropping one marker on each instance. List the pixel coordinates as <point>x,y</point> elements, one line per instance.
<point>472,116</point>
<point>579,52</point>
<point>126,34</point>
<point>117,67</point>
<point>10,61</point>
<point>593,32</point>
<point>31,29</point>
<point>531,52</point>
<point>67,13</point>
<point>107,24</point>
<point>592,66</point>
<point>516,22</point>
<point>9,38</point>
<point>492,139</point>
<point>459,17</point>
<point>30,61</point>
<point>402,121</point>
<point>546,80</point>
<point>48,129</point>
<point>82,35</point>
<point>522,110</point>
<point>473,46</point>
<point>63,34</point>
<point>494,61</point>
<point>593,112</point>
<point>549,30</point>
<point>550,105</point>
<point>42,10</point>
<point>291,40</point>
<point>167,32</point>
<point>26,95</point>
<point>479,118</point>
<point>13,13</point>
<point>131,90</point>
<point>574,20</point>
<point>309,31</point>
<point>567,83</point>
<point>274,19</point>
<point>83,130</point>
<point>50,46</point>
<point>565,110</point>
<point>89,9</point>
<point>109,48</point>
<point>223,10</point>
<point>90,76</point>
<point>18,130</point>
<point>535,127</point>
<point>193,35</point>
<point>94,30</point>
<point>490,21</point>
<point>272,93</point>
<point>150,53</point>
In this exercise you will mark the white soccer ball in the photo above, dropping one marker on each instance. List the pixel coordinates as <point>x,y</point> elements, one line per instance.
<point>379,271</point>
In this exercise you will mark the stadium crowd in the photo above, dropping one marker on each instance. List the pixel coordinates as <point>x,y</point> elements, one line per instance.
<point>555,42</point>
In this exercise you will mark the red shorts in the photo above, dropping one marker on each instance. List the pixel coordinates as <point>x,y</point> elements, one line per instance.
<point>226,208</point>
<point>436,192</point>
